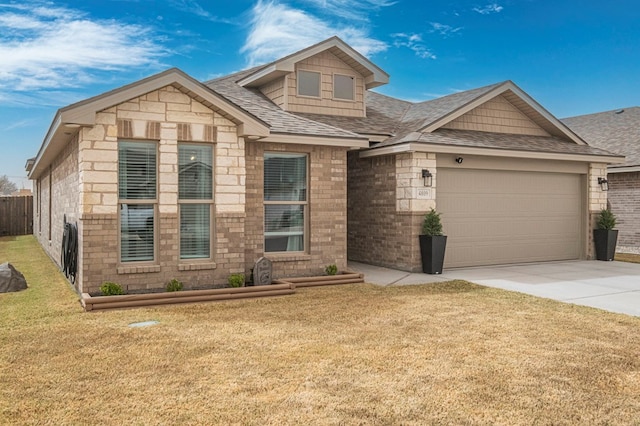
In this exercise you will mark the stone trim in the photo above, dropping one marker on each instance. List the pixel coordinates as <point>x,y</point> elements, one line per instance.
<point>196,266</point>
<point>137,269</point>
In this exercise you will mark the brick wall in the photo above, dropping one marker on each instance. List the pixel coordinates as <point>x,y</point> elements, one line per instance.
<point>327,210</point>
<point>624,197</point>
<point>378,234</point>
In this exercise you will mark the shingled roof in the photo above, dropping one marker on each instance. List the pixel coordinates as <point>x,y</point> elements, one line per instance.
<point>616,131</point>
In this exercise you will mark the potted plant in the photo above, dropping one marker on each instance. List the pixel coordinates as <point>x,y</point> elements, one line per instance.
<point>432,243</point>
<point>604,236</point>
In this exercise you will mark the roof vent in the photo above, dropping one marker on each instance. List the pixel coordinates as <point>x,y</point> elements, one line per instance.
<point>620,111</point>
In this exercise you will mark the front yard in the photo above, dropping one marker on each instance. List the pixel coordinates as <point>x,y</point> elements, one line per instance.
<point>449,353</point>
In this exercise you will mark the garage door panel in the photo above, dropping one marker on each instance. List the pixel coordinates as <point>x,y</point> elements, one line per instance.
<point>501,217</point>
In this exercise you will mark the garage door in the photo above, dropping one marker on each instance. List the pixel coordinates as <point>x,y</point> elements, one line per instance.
<point>495,217</point>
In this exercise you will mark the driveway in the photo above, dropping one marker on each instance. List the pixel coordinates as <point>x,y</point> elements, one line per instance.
<point>612,286</point>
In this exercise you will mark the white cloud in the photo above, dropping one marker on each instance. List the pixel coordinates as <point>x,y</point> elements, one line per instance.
<point>355,10</point>
<point>443,29</point>
<point>488,9</point>
<point>413,42</point>
<point>277,30</point>
<point>192,6</point>
<point>44,47</point>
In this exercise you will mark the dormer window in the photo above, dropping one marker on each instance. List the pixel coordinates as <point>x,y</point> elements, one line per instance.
<point>343,87</point>
<point>309,83</point>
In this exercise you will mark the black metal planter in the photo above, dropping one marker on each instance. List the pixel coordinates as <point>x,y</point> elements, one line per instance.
<point>605,241</point>
<point>432,251</point>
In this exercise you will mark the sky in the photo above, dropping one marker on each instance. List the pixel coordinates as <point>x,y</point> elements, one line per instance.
<point>573,57</point>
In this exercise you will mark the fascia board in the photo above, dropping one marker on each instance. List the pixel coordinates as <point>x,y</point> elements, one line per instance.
<point>462,150</point>
<point>316,140</point>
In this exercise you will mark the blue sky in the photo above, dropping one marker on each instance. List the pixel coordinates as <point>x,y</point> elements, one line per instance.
<point>574,57</point>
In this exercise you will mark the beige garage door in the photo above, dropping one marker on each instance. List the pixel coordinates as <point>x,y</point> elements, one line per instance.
<point>500,217</point>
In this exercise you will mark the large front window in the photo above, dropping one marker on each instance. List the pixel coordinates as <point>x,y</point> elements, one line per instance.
<point>137,189</point>
<point>195,194</point>
<point>285,202</point>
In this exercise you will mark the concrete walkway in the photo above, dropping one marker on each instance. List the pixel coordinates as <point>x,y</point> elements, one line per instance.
<point>612,286</point>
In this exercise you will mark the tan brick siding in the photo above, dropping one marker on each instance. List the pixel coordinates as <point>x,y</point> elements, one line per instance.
<point>327,210</point>
<point>378,233</point>
<point>497,115</point>
<point>624,197</point>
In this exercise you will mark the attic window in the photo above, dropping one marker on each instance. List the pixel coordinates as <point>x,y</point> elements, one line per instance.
<point>343,87</point>
<point>309,83</point>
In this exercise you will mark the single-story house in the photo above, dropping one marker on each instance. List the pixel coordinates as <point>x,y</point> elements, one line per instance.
<point>300,161</point>
<point>618,131</point>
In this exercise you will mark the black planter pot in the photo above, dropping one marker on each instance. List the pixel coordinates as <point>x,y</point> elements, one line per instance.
<point>605,241</point>
<point>432,251</point>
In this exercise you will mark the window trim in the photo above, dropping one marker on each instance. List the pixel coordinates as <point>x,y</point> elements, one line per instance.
<point>209,201</point>
<point>353,83</point>
<point>128,201</point>
<point>319,74</point>
<point>306,206</point>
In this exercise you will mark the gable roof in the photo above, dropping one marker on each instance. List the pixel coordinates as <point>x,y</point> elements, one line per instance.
<point>616,131</point>
<point>373,75</point>
<point>68,119</point>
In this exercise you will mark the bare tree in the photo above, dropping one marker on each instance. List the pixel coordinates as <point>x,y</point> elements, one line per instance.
<point>7,186</point>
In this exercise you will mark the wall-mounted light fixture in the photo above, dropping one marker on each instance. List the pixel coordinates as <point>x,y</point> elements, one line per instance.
<point>459,160</point>
<point>428,177</point>
<point>604,184</point>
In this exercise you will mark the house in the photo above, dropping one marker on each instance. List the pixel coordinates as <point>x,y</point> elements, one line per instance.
<point>300,161</point>
<point>618,131</point>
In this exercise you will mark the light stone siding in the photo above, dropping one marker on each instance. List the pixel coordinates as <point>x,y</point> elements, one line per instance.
<point>411,194</point>
<point>166,116</point>
<point>497,115</point>
<point>327,209</point>
<point>327,64</point>
<point>58,186</point>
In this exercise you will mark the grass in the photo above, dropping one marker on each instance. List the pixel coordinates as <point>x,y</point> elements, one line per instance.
<point>448,353</point>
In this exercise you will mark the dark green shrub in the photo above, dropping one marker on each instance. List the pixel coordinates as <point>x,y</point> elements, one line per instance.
<point>236,280</point>
<point>111,289</point>
<point>331,269</point>
<point>606,220</point>
<point>174,285</point>
<point>432,225</point>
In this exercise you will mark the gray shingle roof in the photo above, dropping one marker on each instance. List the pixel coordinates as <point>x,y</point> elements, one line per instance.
<point>468,138</point>
<point>399,120</point>
<point>616,131</point>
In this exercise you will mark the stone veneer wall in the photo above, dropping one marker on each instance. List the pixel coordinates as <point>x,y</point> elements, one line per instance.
<point>624,197</point>
<point>166,116</point>
<point>64,197</point>
<point>382,228</point>
<point>327,209</point>
<point>597,200</point>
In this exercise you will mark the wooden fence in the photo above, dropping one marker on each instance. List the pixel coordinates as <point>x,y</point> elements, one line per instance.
<point>16,215</point>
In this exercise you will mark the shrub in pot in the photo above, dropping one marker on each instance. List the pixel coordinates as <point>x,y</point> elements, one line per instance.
<point>432,243</point>
<point>604,236</point>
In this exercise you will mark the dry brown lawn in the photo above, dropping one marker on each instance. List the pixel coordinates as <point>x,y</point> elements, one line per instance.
<point>450,353</point>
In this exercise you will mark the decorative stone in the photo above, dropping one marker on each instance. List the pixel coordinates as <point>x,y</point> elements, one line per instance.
<point>11,279</point>
<point>262,271</point>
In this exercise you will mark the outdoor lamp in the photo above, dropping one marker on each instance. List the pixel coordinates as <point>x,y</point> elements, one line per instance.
<point>604,184</point>
<point>428,177</point>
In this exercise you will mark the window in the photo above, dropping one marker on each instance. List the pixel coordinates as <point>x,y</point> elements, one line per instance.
<point>195,196</point>
<point>309,83</point>
<point>343,87</point>
<point>285,202</point>
<point>137,177</point>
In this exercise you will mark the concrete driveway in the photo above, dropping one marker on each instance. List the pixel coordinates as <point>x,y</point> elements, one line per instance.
<point>612,286</point>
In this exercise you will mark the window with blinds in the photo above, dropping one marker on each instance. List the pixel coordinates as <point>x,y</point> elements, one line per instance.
<point>195,196</point>
<point>137,193</point>
<point>285,202</point>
